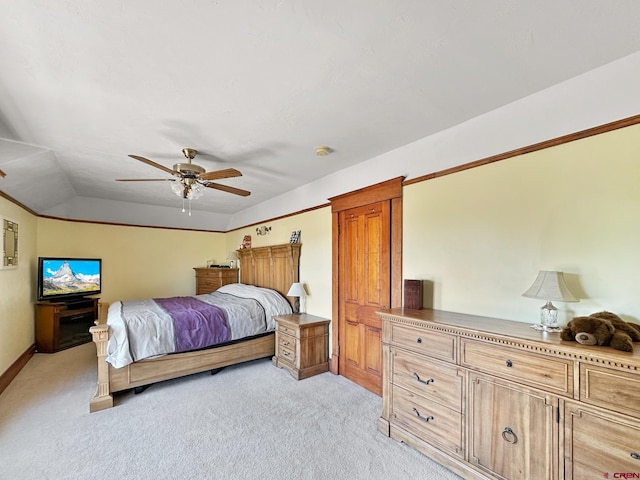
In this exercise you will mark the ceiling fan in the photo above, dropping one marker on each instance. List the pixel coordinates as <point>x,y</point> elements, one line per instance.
<point>191,178</point>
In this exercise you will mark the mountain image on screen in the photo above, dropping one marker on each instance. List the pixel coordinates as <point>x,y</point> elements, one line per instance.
<point>65,281</point>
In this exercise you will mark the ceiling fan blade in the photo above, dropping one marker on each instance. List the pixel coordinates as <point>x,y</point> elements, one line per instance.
<point>145,180</point>
<point>228,189</point>
<point>154,164</point>
<point>218,174</point>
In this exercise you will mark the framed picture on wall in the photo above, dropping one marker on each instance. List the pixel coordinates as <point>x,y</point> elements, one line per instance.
<point>9,243</point>
<point>295,236</point>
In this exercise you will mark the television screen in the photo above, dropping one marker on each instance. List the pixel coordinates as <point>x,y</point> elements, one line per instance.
<point>68,277</point>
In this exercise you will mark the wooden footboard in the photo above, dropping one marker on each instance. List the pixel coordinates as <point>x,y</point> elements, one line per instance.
<point>145,372</point>
<point>100,335</point>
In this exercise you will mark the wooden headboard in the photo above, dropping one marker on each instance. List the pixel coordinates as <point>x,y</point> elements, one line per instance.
<point>275,266</point>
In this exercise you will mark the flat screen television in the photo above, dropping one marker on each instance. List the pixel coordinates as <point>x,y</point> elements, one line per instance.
<point>68,278</point>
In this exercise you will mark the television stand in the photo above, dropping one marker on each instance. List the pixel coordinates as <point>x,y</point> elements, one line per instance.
<point>64,324</point>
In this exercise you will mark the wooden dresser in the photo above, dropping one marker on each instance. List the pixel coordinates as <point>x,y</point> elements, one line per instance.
<point>492,398</point>
<point>209,279</point>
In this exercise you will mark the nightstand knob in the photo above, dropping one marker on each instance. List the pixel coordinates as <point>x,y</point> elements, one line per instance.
<point>635,456</point>
<point>285,343</point>
<point>509,363</point>
<point>419,340</point>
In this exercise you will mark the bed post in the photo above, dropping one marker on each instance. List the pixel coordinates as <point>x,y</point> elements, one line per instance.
<point>100,334</point>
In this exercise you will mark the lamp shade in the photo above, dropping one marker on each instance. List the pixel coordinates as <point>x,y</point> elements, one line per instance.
<point>233,255</point>
<point>550,286</point>
<point>296,290</point>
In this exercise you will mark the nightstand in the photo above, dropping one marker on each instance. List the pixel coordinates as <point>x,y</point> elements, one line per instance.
<point>302,344</point>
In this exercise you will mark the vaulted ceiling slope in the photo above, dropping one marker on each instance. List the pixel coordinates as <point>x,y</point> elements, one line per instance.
<point>257,85</point>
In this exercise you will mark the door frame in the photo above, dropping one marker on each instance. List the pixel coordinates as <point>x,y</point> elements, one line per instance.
<point>390,190</point>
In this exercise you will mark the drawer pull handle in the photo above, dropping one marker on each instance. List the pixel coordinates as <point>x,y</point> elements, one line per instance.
<point>285,344</point>
<point>635,455</point>
<point>426,382</point>
<point>419,340</point>
<point>509,363</point>
<point>509,436</point>
<point>424,419</point>
<point>286,354</point>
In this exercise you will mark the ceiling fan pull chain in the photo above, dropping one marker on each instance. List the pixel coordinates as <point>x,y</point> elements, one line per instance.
<point>189,206</point>
<point>183,210</point>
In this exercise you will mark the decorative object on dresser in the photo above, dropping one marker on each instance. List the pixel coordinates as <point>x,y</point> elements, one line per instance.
<point>64,324</point>
<point>549,286</point>
<point>302,344</point>
<point>274,267</point>
<point>602,328</point>
<point>492,398</point>
<point>233,258</point>
<point>209,279</point>
<point>412,294</point>
<point>297,290</point>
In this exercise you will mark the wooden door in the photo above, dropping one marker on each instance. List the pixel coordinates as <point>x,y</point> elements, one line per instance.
<point>365,239</point>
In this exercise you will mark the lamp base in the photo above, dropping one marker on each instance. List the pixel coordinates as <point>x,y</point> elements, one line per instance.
<point>548,319</point>
<point>545,328</point>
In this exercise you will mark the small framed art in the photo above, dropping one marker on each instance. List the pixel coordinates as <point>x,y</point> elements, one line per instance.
<point>9,244</point>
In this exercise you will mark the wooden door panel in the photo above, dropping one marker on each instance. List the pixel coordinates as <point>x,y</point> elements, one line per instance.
<point>365,289</point>
<point>373,358</point>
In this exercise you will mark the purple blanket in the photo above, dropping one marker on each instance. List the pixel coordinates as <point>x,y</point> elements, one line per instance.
<point>196,324</point>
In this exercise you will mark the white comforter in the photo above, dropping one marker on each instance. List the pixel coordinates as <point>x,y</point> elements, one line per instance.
<point>142,329</point>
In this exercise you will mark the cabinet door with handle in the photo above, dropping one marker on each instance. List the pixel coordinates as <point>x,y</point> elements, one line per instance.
<point>513,430</point>
<point>598,443</point>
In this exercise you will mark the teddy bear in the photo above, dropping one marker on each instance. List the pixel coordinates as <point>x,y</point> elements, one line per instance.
<point>602,328</point>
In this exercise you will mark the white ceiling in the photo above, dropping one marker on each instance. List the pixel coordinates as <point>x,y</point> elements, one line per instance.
<point>257,85</point>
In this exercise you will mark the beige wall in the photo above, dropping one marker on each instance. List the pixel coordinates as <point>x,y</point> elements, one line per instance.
<point>477,237</point>
<point>17,289</point>
<point>137,262</point>
<point>315,254</point>
<point>481,235</point>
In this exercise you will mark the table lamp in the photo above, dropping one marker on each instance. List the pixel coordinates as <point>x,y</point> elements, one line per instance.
<point>549,286</point>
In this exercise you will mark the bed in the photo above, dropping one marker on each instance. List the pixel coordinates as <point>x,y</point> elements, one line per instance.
<point>273,267</point>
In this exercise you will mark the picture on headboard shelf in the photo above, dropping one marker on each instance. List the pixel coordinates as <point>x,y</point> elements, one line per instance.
<point>295,236</point>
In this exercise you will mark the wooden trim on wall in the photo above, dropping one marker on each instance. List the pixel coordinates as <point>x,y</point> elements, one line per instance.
<point>14,369</point>
<point>554,142</point>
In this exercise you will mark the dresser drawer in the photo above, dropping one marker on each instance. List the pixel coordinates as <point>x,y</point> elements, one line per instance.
<point>430,421</point>
<point>208,285</point>
<point>551,374</point>
<point>618,391</point>
<point>434,380</point>
<point>600,442</point>
<point>434,344</point>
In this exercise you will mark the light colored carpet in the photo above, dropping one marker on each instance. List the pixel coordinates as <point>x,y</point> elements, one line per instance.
<point>250,421</point>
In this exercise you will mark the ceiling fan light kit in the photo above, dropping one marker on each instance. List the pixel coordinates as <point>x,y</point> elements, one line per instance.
<point>192,178</point>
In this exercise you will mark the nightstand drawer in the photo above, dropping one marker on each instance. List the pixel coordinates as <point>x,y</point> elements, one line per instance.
<point>287,353</point>
<point>286,341</point>
<point>552,374</point>
<point>437,381</point>
<point>612,389</point>
<point>288,330</point>
<point>429,420</point>
<point>434,344</point>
